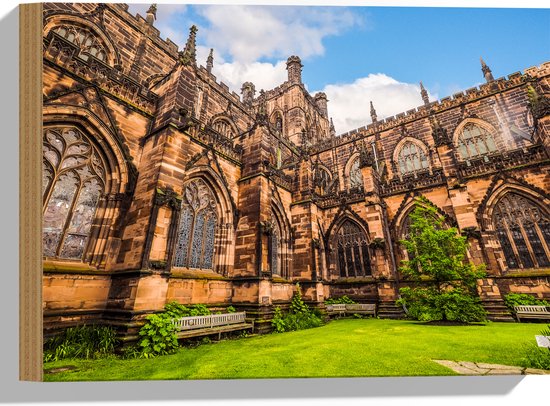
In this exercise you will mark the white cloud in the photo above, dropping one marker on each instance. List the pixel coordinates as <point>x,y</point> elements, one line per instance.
<point>167,16</point>
<point>264,75</point>
<point>349,103</point>
<point>249,33</point>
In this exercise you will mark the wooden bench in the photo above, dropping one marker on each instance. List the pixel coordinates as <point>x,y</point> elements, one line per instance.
<point>532,312</point>
<point>356,308</point>
<point>196,326</point>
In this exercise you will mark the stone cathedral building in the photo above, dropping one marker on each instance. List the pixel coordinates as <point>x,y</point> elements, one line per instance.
<point>160,184</point>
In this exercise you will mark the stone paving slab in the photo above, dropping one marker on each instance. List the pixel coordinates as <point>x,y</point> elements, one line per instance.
<point>474,368</point>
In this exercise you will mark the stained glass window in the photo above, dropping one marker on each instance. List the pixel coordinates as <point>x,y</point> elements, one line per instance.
<point>321,181</point>
<point>197,227</point>
<point>275,242</point>
<point>87,41</point>
<point>521,228</point>
<point>353,252</point>
<point>412,158</point>
<point>475,141</point>
<point>73,180</point>
<point>355,175</point>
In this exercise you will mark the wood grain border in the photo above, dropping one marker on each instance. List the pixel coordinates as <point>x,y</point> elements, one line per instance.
<point>30,202</point>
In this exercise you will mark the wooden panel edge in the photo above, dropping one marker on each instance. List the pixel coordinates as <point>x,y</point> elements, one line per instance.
<point>30,178</point>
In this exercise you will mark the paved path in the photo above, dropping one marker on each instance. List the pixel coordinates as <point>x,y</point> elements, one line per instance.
<point>480,368</point>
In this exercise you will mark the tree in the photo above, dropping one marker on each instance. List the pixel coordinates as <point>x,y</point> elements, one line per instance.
<point>444,280</point>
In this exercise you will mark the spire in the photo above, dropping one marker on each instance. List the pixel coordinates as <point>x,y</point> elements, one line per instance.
<point>373,113</point>
<point>151,14</point>
<point>486,71</point>
<point>424,95</point>
<point>332,129</point>
<point>189,55</point>
<point>210,61</point>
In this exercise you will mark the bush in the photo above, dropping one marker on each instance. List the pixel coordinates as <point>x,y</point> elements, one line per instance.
<point>299,317</point>
<point>523,299</point>
<point>340,300</point>
<point>176,310</point>
<point>158,336</point>
<point>428,304</point>
<point>538,357</point>
<point>81,342</point>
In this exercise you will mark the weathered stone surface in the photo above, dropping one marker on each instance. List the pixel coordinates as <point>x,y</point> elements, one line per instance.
<point>284,185</point>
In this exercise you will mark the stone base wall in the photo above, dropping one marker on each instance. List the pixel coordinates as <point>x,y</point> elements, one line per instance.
<point>538,286</point>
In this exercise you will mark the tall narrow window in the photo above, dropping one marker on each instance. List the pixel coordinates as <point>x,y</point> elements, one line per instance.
<point>475,141</point>
<point>321,181</point>
<point>412,158</point>
<point>353,252</point>
<point>73,180</point>
<point>275,246</point>
<point>355,175</point>
<point>197,227</point>
<point>521,228</point>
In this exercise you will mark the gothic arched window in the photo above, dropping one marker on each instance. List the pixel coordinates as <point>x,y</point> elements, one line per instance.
<point>321,181</point>
<point>224,128</point>
<point>355,175</point>
<point>352,251</point>
<point>412,158</point>
<point>523,230</point>
<point>475,141</point>
<point>88,42</point>
<point>275,247</point>
<point>73,180</point>
<point>197,227</point>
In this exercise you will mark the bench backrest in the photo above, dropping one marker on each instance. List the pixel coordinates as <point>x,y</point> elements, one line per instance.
<point>361,307</point>
<point>212,320</point>
<point>531,309</point>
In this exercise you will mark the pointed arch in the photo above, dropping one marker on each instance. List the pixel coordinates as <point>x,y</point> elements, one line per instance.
<point>474,138</point>
<point>351,254</point>
<point>411,155</point>
<point>519,220</point>
<point>53,22</point>
<point>224,125</point>
<point>352,172</point>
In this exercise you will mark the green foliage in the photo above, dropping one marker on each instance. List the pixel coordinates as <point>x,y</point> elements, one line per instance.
<point>438,258</point>
<point>340,300</point>
<point>538,357</point>
<point>523,299</point>
<point>158,336</point>
<point>230,309</point>
<point>427,304</point>
<point>299,317</point>
<point>81,342</point>
<point>176,310</point>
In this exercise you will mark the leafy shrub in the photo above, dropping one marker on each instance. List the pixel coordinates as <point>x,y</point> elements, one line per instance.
<point>176,310</point>
<point>428,304</point>
<point>340,300</point>
<point>230,309</point>
<point>523,299</point>
<point>538,357</point>
<point>299,317</point>
<point>81,342</point>
<point>158,336</point>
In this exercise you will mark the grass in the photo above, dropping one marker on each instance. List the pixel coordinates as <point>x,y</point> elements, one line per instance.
<point>342,348</point>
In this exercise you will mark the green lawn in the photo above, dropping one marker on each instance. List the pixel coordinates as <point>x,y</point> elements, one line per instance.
<point>342,348</point>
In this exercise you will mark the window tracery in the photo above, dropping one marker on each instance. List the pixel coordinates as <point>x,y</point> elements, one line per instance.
<point>352,251</point>
<point>475,141</point>
<point>412,158</point>
<point>197,227</point>
<point>321,181</point>
<point>87,41</point>
<point>73,180</point>
<point>224,128</point>
<point>523,230</point>
<point>275,242</point>
<point>355,175</point>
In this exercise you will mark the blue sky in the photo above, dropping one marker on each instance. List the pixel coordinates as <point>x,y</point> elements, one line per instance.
<point>359,54</point>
